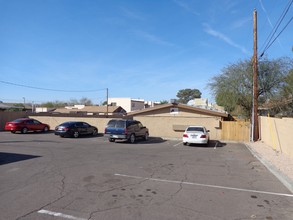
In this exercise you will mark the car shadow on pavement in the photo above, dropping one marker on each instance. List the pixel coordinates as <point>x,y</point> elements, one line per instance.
<point>6,158</point>
<point>83,136</point>
<point>212,144</point>
<point>150,140</point>
<point>34,132</point>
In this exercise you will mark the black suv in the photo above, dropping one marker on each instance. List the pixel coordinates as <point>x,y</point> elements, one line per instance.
<point>125,130</point>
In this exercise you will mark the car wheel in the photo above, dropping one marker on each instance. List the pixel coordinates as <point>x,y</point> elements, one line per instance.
<point>146,136</point>
<point>13,132</point>
<point>75,134</point>
<point>46,129</point>
<point>111,140</point>
<point>184,143</point>
<point>24,130</point>
<point>132,138</point>
<point>95,132</point>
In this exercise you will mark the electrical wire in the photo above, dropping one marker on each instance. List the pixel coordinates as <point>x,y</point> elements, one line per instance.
<point>272,34</point>
<point>279,34</point>
<point>277,25</point>
<point>46,89</point>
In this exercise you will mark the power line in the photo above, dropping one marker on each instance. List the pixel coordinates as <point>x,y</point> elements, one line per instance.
<point>277,25</point>
<point>47,89</point>
<point>269,40</point>
<point>279,34</point>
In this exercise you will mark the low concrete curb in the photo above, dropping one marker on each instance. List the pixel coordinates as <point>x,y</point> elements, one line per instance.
<point>281,176</point>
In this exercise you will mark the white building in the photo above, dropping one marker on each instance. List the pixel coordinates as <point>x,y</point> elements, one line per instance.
<point>130,104</point>
<point>203,103</point>
<point>199,102</point>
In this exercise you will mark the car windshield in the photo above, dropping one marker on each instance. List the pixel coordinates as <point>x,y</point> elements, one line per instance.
<point>116,124</point>
<point>195,129</point>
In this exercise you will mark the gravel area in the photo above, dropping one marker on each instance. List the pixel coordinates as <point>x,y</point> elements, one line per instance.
<point>279,163</point>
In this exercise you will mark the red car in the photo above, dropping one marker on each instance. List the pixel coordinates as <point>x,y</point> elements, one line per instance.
<point>25,125</point>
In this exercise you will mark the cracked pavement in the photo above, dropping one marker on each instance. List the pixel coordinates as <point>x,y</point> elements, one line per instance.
<point>76,177</point>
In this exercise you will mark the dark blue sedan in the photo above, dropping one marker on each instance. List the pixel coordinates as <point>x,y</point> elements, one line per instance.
<point>75,129</point>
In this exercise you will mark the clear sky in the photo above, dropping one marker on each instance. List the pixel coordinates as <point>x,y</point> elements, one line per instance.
<point>146,49</point>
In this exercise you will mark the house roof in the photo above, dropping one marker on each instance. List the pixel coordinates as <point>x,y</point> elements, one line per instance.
<point>9,106</point>
<point>3,106</point>
<point>180,106</point>
<point>97,109</point>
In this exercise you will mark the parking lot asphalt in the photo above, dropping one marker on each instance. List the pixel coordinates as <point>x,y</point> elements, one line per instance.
<point>43,176</point>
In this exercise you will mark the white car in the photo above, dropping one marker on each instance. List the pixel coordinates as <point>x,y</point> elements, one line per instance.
<point>196,135</point>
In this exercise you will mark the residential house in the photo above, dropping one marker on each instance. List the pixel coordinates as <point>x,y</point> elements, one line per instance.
<point>170,120</point>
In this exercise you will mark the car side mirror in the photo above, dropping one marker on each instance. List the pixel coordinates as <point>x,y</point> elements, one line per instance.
<point>208,130</point>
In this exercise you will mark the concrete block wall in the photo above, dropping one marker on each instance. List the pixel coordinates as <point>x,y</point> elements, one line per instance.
<point>277,133</point>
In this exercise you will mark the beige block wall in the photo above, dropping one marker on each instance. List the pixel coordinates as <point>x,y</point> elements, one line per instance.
<point>163,126</point>
<point>277,133</point>
<point>158,126</point>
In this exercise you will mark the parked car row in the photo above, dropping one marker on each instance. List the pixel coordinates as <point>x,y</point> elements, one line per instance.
<point>128,130</point>
<point>116,129</point>
<point>66,129</point>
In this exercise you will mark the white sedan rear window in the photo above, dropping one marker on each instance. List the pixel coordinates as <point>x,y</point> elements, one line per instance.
<point>195,129</point>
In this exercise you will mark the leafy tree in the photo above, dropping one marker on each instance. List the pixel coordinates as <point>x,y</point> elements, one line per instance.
<point>55,104</point>
<point>283,103</point>
<point>288,86</point>
<point>163,102</point>
<point>234,86</point>
<point>60,104</point>
<point>185,95</point>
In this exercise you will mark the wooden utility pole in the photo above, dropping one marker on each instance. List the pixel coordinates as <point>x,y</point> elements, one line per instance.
<point>255,74</point>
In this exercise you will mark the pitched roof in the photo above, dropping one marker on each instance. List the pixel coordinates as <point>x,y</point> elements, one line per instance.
<point>3,106</point>
<point>93,109</point>
<point>9,106</point>
<point>181,106</point>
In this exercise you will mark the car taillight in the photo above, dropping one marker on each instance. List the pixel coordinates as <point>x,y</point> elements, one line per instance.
<point>185,135</point>
<point>203,136</point>
<point>125,131</point>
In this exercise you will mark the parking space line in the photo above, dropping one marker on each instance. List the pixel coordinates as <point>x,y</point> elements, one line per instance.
<point>175,145</point>
<point>58,214</point>
<point>217,142</point>
<point>206,185</point>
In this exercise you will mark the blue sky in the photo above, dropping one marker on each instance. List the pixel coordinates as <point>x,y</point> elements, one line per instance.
<point>146,49</point>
